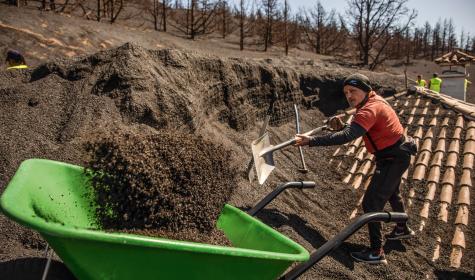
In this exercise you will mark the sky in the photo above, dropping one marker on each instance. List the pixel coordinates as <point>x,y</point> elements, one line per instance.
<point>462,12</point>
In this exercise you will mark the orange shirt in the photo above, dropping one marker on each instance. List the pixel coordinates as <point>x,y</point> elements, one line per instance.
<point>380,121</point>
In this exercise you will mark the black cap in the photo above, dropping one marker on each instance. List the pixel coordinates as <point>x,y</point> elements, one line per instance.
<point>358,80</point>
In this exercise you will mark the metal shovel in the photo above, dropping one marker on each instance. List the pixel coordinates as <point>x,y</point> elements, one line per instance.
<point>262,152</point>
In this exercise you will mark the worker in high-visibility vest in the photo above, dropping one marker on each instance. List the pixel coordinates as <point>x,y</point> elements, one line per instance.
<point>467,83</point>
<point>15,60</point>
<point>435,83</point>
<point>421,82</point>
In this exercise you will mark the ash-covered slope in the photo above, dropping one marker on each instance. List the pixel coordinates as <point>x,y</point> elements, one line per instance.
<point>50,110</point>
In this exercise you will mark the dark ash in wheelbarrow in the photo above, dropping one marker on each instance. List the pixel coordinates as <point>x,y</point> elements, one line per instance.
<point>167,184</point>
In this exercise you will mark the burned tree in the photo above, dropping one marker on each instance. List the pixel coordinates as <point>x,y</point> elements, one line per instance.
<point>322,30</point>
<point>270,9</point>
<point>197,19</point>
<point>372,21</point>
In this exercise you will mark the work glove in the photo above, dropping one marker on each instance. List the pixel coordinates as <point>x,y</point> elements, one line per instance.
<point>335,123</point>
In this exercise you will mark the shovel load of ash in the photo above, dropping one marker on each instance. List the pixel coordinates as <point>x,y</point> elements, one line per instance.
<point>165,184</point>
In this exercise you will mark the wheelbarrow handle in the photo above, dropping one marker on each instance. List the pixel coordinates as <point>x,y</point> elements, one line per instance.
<point>291,141</point>
<point>278,190</point>
<point>336,241</point>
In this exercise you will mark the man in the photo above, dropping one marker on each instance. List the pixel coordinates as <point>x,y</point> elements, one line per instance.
<point>420,82</point>
<point>378,124</point>
<point>435,83</point>
<point>15,60</point>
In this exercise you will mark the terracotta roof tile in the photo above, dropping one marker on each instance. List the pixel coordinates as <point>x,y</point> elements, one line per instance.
<point>442,134</point>
<point>446,193</point>
<point>431,188</point>
<point>423,158</point>
<point>449,177</point>
<point>427,145</point>
<point>429,133</point>
<point>436,254</point>
<point>445,122</point>
<point>418,133</point>
<point>471,124</point>
<point>468,160</point>
<point>456,257</point>
<point>462,215</point>
<point>469,147</point>
<point>443,212</point>
<point>466,179</point>
<point>420,122</point>
<point>360,153</point>
<point>470,134</point>
<point>457,133</point>
<point>464,196</point>
<point>433,122</point>
<point>352,170</point>
<point>459,122</point>
<point>459,237</point>
<point>454,146</point>
<point>434,174</point>
<point>425,210</point>
<point>451,160</point>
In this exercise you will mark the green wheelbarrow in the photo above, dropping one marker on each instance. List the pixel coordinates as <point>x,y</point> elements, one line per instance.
<point>54,199</point>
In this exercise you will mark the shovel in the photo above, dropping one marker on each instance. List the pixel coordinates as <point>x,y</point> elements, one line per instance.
<point>262,152</point>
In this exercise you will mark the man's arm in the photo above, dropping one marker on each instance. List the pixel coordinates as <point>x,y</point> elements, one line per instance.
<point>347,134</point>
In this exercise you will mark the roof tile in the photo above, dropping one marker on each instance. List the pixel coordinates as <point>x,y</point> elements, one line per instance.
<point>429,133</point>
<point>443,212</point>
<point>418,133</point>
<point>434,174</point>
<point>423,158</point>
<point>471,124</point>
<point>466,180</point>
<point>436,255</point>
<point>468,160</point>
<point>431,188</point>
<point>445,122</point>
<point>425,210</point>
<point>462,215</point>
<point>449,177</point>
<point>440,146</point>
<point>469,147</point>
<point>454,146</point>
<point>464,196</point>
<point>427,145</point>
<point>459,237</point>
<point>470,134</point>
<point>456,257</point>
<point>459,122</point>
<point>446,193</point>
<point>457,133</point>
<point>451,160</point>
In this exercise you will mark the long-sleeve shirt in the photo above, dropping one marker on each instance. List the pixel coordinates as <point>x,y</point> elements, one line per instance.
<point>347,134</point>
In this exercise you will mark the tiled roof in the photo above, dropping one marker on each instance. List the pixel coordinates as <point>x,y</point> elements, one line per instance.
<point>455,58</point>
<point>444,129</point>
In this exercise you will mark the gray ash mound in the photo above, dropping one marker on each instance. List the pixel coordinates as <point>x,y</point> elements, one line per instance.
<point>169,184</point>
<point>50,112</point>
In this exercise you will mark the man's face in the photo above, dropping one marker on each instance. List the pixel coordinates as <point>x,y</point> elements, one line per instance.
<point>354,95</point>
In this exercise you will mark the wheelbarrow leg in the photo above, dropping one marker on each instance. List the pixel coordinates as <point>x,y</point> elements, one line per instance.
<point>336,241</point>
<point>48,255</point>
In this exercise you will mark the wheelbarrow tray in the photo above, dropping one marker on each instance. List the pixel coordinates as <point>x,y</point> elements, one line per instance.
<point>55,199</point>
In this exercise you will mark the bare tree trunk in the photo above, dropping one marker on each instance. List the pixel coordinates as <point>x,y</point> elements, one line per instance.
<point>224,18</point>
<point>164,14</point>
<point>286,38</point>
<point>241,25</point>
<point>98,10</point>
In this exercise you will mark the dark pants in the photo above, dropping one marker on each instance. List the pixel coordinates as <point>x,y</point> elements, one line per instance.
<point>391,163</point>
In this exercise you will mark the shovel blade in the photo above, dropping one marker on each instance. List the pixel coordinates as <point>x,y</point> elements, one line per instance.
<point>264,164</point>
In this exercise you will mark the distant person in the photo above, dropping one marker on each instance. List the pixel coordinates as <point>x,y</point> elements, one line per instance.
<point>467,83</point>
<point>421,82</point>
<point>435,83</point>
<point>15,60</point>
<point>382,132</point>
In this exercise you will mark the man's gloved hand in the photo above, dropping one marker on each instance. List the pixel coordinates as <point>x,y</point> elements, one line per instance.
<point>335,123</point>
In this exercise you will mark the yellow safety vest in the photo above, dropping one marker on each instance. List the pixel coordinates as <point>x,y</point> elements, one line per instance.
<point>435,84</point>
<point>18,67</point>
<point>421,83</point>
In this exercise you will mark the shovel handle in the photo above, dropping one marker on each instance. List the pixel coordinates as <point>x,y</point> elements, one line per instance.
<point>291,141</point>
